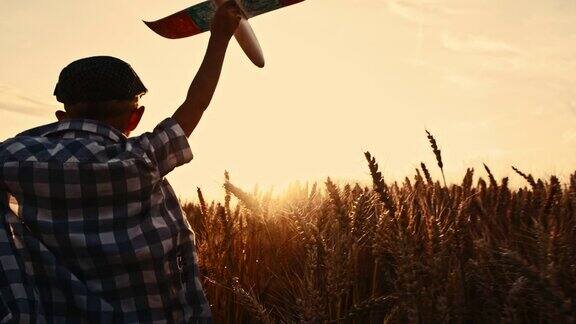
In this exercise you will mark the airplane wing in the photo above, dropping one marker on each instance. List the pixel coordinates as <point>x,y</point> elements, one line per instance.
<point>196,19</point>
<point>188,22</point>
<point>254,8</point>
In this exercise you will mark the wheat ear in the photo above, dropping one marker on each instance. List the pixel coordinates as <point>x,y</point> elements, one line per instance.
<point>437,153</point>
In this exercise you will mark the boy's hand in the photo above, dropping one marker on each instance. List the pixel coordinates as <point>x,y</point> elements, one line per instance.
<point>226,20</point>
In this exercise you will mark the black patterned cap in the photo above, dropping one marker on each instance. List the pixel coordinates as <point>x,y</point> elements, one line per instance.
<point>96,79</point>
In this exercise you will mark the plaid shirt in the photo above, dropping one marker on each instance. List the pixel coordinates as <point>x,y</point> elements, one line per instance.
<point>100,235</point>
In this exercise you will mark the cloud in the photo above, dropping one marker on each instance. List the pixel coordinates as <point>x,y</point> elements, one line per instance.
<point>485,47</point>
<point>465,82</point>
<point>478,44</point>
<point>414,12</point>
<point>13,100</point>
<point>567,94</point>
<point>569,136</point>
<point>424,11</point>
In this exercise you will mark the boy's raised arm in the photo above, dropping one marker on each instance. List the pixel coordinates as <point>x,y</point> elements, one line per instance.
<point>202,89</point>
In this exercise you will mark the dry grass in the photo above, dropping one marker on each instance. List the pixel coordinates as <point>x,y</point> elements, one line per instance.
<point>417,251</point>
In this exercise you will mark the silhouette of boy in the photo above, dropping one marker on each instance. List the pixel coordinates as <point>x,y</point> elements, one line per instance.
<point>100,235</point>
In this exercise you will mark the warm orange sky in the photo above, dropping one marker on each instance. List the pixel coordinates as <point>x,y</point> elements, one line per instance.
<point>494,80</point>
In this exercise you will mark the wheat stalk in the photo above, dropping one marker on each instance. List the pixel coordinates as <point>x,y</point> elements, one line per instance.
<point>437,154</point>
<point>379,184</point>
<point>527,177</point>
<point>203,208</point>
<point>251,303</point>
<point>426,173</point>
<point>247,199</point>
<point>493,182</point>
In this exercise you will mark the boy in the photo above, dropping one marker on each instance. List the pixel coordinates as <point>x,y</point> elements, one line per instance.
<point>100,235</point>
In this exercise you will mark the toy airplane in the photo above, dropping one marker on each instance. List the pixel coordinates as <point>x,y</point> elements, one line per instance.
<point>197,19</point>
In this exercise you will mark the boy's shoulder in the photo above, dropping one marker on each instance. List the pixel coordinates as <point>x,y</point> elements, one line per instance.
<point>38,130</point>
<point>38,143</point>
<point>21,141</point>
<point>23,136</point>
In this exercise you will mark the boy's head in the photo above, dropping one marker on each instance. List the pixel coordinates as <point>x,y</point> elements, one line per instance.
<point>101,88</point>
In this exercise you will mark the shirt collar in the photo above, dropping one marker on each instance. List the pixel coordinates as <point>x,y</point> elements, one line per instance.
<point>82,125</point>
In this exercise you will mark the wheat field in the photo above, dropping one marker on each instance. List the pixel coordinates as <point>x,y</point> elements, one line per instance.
<point>419,251</point>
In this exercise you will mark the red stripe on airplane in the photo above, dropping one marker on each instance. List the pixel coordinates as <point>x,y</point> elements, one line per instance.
<point>177,25</point>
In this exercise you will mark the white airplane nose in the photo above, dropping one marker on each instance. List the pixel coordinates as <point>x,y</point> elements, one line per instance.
<point>247,40</point>
<point>249,43</point>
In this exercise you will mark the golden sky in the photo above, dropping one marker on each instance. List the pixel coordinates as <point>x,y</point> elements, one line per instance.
<point>494,80</point>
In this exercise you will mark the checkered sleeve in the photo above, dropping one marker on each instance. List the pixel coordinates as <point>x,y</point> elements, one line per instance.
<point>166,145</point>
<point>19,300</point>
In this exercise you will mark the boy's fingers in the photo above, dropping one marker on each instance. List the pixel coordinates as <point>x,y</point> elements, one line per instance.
<point>231,4</point>
<point>236,14</point>
<point>234,9</point>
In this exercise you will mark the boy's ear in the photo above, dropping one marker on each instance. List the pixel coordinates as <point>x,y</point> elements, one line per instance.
<point>135,118</point>
<point>61,115</point>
